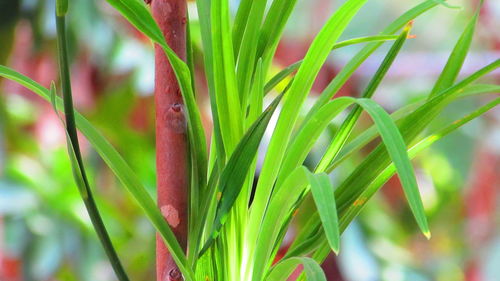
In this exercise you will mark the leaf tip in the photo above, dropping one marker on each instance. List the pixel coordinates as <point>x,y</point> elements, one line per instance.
<point>427,234</point>
<point>336,250</point>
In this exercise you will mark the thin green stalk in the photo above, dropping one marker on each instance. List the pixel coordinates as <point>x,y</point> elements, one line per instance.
<point>74,148</point>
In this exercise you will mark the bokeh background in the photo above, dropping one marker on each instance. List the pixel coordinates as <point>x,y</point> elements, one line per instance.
<point>45,233</point>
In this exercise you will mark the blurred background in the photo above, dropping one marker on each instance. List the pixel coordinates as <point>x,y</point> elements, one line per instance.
<point>45,233</point>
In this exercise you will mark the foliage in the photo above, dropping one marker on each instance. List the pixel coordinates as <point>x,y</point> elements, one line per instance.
<point>235,231</point>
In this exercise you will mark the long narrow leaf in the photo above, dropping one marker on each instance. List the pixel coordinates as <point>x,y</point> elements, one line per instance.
<point>348,125</point>
<point>426,142</point>
<point>301,85</point>
<point>371,133</point>
<point>305,243</point>
<point>74,149</point>
<point>410,127</point>
<point>117,164</point>
<point>280,76</point>
<point>283,269</point>
<point>226,87</point>
<point>206,38</point>
<point>235,172</point>
<point>323,195</point>
<point>280,207</point>
<point>396,147</point>
<point>346,72</point>
<point>457,57</point>
<point>248,49</point>
<point>272,29</point>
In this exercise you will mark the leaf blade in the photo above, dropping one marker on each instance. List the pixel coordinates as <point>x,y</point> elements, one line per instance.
<point>323,195</point>
<point>116,163</point>
<point>283,269</point>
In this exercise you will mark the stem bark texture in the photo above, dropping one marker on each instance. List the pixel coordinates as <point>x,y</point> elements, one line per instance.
<point>171,134</point>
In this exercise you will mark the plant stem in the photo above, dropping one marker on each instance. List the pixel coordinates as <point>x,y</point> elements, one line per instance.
<point>171,134</point>
<point>74,147</point>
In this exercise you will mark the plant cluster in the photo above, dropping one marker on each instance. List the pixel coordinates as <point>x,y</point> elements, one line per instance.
<point>235,230</point>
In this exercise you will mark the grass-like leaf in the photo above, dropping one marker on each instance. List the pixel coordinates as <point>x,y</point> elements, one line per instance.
<point>396,147</point>
<point>305,139</point>
<point>457,57</point>
<point>248,50</point>
<point>208,56</point>
<point>347,71</point>
<point>410,127</point>
<point>75,154</point>
<point>283,269</point>
<point>240,23</point>
<point>308,240</point>
<point>347,126</point>
<point>324,198</point>
<point>279,209</point>
<point>272,29</point>
<point>390,136</point>
<point>117,164</point>
<point>280,76</point>
<point>301,85</point>
<point>424,143</point>
<point>226,87</point>
<point>371,133</point>
<point>234,174</point>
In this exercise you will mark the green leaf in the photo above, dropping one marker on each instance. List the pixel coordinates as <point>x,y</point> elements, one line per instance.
<point>206,36</point>
<point>226,87</point>
<point>346,72</point>
<point>235,172</point>
<point>410,127</point>
<point>347,126</point>
<point>305,139</point>
<point>240,23</point>
<point>390,136</point>
<point>307,238</point>
<point>136,13</point>
<point>456,59</point>
<point>293,101</point>
<point>74,147</point>
<point>323,195</point>
<point>61,7</point>
<point>280,76</point>
<point>280,207</point>
<point>256,97</point>
<point>272,29</point>
<point>248,49</point>
<point>306,241</point>
<point>283,269</point>
<point>424,143</point>
<point>396,147</point>
<point>119,167</point>
<point>371,133</point>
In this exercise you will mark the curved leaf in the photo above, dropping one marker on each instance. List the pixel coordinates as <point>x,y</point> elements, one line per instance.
<point>323,195</point>
<point>119,167</point>
<point>283,269</point>
<point>235,172</point>
<point>294,99</point>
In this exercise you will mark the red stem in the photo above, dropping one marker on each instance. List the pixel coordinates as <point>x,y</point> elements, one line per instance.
<point>171,139</point>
